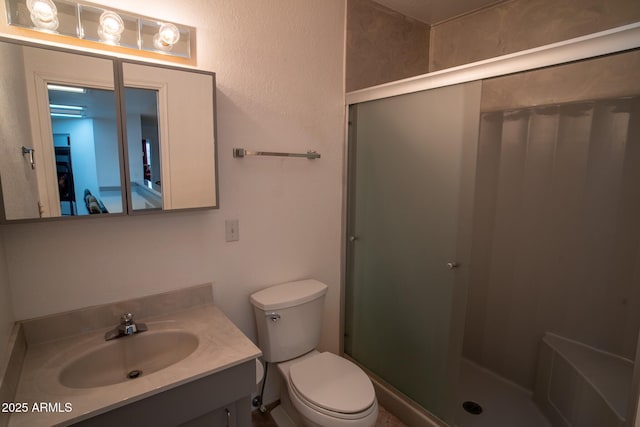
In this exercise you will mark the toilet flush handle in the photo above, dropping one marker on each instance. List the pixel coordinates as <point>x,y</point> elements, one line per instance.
<point>273,316</point>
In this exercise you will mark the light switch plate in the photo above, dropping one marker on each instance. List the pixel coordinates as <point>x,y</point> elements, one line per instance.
<point>231,230</point>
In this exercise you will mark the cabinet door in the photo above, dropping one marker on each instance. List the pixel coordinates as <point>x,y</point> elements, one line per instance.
<point>19,182</point>
<point>184,131</point>
<point>54,92</point>
<point>235,414</point>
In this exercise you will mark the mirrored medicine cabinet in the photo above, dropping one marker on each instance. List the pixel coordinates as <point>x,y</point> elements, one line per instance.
<point>89,135</point>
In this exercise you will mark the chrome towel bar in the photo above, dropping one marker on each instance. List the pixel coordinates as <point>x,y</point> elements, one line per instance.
<point>241,152</point>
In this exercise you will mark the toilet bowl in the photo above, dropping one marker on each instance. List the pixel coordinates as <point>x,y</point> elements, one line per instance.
<point>322,389</point>
<point>330,391</point>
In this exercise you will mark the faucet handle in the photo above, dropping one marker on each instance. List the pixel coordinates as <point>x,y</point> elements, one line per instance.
<point>126,318</point>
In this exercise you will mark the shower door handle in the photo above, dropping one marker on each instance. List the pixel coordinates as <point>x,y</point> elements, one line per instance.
<point>353,238</point>
<point>452,265</point>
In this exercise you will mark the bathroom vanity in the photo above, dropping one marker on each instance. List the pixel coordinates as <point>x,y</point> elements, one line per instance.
<point>192,367</point>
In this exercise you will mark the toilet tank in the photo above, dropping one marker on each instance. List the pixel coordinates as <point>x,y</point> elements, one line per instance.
<point>289,318</point>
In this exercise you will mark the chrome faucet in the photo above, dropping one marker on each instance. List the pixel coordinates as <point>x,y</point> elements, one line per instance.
<point>127,327</point>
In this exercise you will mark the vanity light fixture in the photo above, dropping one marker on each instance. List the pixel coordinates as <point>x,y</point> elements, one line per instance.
<point>93,23</point>
<point>111,27</point>
<point>167,36</point>
<point>43,14</point>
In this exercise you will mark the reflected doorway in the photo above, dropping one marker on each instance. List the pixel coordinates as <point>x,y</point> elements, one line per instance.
<point>144,164</point>
<point>85,140</point>
<point>64,169</point>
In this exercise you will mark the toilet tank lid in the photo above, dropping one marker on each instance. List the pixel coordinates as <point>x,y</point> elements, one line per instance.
<point>288,294</point>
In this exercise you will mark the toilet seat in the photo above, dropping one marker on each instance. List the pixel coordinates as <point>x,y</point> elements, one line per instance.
<point>333,386</point>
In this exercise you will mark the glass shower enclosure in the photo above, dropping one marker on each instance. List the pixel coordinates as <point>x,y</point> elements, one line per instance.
<point>410,194</point>
<point>493,225</point>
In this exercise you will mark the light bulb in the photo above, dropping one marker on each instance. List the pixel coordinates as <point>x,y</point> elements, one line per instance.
<point>44,14</point>
<point>111,27</point>
<point>167,36</point>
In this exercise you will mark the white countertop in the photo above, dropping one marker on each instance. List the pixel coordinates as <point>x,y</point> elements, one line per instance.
<point>221,346</point>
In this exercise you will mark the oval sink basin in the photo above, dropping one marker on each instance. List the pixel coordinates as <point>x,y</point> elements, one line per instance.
<point>127,358</point>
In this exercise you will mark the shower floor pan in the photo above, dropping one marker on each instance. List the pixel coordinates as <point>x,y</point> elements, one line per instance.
<point>504,404</point>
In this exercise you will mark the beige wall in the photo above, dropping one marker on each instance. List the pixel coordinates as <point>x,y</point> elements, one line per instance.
<point>6,308</point>
<point>383,45</point>
<point>523,24</point>
<point>280,75</point>
<point>605,77</point>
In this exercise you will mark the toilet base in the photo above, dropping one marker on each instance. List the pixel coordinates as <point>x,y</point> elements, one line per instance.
<point>285,415</point>
<point>281,418</point>
<point>288,415</point>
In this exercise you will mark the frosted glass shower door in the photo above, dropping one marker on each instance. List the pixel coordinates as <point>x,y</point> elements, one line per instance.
<point>411,173</point>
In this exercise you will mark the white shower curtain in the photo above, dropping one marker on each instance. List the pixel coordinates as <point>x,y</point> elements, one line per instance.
<point>556,233</point>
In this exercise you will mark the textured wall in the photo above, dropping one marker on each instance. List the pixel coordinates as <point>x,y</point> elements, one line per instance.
<point>280,75</point>
<point>6,308</point>
<point>604,77</point>
<point>383,45</point>
<point>7,87</point>
<point>523,24</point>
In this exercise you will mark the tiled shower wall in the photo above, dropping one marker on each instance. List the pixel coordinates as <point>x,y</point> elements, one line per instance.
<point>384,46</point>
<point>517,25</point>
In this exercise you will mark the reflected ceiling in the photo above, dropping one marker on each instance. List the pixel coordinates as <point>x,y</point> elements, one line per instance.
<point>100,104</point>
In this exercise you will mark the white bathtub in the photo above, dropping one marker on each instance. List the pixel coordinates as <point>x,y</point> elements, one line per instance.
<point>581,386</point>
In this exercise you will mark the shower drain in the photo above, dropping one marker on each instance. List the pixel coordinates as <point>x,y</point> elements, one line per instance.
<point>472,407</point>
<point>134,374</point>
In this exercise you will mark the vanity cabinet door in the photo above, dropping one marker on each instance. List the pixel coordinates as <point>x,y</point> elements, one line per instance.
<point>227,416</point>
<point>201,402</point>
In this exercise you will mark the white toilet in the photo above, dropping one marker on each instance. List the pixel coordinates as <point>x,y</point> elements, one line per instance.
<point>322,389</point>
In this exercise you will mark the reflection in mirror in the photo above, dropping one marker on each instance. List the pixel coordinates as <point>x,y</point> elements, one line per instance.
<point>85,140</point>
<point>60,153</point>
<point>185,122</point>
<point>20,197</point>
<point>143,140</point>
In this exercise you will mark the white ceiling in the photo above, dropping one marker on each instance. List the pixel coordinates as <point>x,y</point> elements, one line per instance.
<point>434,11</point>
